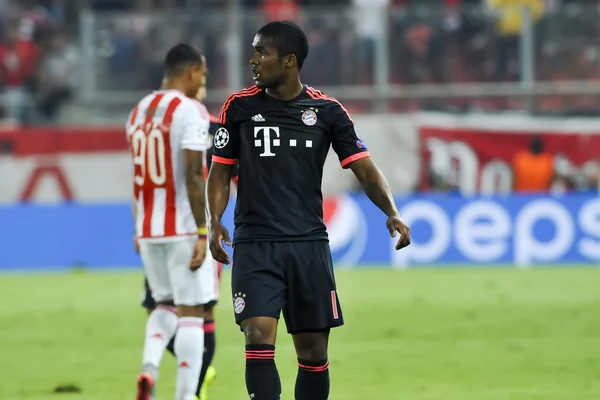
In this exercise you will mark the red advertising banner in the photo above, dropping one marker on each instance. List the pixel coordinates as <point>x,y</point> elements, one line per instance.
<point>479,158</point>
<point>22,142</point>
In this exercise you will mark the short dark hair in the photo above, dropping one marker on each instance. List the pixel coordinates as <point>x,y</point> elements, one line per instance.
<point>181,56</point>
<point>536,145</point>
<point>287,38</point>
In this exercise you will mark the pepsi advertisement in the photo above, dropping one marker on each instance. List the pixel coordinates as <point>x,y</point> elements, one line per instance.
<point>447,230</point>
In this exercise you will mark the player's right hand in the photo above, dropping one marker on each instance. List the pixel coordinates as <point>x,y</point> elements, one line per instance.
<point>136,244</point>
<point>216,235</point>
<point>199,254</point>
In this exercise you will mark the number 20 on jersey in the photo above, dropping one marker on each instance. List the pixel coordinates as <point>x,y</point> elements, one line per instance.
<point>149,153</point>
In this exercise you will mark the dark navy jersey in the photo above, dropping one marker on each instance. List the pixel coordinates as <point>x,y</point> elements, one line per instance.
<point>280,147</point>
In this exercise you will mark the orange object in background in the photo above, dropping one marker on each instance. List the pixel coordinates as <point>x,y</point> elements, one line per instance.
<point>533,168</point>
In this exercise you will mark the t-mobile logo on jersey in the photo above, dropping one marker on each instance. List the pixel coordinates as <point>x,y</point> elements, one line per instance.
<point>266,133</point>
<point>268,143</point>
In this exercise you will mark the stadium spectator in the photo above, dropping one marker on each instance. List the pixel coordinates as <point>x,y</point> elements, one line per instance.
<point>275,10</point>
<point>533,169</point>
<point>58,75</point>
<point>18,63</point>
<point>370,24</point>
<point>510,23</point>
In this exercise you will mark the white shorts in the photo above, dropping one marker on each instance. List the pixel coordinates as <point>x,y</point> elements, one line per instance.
<point>167,268</point>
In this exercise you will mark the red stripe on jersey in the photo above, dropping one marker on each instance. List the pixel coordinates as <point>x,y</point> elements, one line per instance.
<point>134,114</point>
<point>252,91</point>
<point>148,192</point>
<point>354,157</point>
<point>318,95</point>
<point>223,160</point>
<point>170,207</point>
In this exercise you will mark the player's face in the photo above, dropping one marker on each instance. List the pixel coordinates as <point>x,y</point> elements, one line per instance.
<point>268,68</point>
<point>201,94</point>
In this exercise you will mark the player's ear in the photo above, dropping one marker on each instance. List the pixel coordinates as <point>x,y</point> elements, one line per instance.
<point>291,60</point>
<point>191,70</point>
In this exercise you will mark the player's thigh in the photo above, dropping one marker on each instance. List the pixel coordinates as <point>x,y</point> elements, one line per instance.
<point>257,280</point>
<point>312,302</point>
<point>208,280</point>
<point>185,283</point>
<point>154,258</point>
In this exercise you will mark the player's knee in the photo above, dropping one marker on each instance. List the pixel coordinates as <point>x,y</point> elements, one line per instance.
<point>311,345</point>
<point>191,311</point>
<point>209,314</point>
<point>209,309</point>
<point>260,330</point>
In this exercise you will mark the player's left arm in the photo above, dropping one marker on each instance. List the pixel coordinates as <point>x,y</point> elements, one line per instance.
<point>195,141</point>
<point>353,154</point>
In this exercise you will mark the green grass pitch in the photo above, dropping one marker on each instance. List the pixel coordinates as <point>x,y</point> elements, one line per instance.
<point>447,334</point>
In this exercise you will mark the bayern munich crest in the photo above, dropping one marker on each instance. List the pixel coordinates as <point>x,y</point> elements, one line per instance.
<point>309,117</point>
<point>239,304</point>
<point>221,138</point>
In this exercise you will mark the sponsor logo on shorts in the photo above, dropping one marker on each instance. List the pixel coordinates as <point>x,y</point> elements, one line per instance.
<point>239,303</point>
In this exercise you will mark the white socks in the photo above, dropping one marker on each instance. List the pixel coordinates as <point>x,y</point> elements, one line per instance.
<point>160,328</point>
<point>189,347</point>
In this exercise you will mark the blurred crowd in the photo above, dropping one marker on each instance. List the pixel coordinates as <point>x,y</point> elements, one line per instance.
<point>38,66</point>
<point>423,41</point>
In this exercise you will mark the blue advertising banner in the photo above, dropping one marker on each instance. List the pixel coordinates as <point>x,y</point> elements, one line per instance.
<point>447,229</point>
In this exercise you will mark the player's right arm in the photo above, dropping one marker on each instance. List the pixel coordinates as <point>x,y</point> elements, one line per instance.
<point>225,154</point>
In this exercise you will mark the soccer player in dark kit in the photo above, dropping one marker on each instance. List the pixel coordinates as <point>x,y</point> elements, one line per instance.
<point>280,131</point>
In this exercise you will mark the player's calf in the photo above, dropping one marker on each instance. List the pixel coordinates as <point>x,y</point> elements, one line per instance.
<point>262,377</point>
<point>209,345</point>
<point>189,346</point>
<point>160,328</point>
<point>312,382</point>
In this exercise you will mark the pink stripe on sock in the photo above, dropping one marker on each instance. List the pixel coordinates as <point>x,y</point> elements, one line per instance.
<point>168,308</point>
<point>191,324</point>
<point>315,369</point>
<point>210,327</point>
<point>260,354</point>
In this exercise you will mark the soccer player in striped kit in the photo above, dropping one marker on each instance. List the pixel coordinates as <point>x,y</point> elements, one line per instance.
<point>213,273</point>
<point>168,134</point>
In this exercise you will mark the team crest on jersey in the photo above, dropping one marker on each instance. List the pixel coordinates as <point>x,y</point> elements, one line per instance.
<point>221,138</point>
<point>309,117</point>
<point>238,302</point>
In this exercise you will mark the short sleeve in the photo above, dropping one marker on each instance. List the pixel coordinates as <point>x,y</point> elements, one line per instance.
<point>345,141</point>
<point>130,124</point>
<point>194,127</point>
<point>226,143</point>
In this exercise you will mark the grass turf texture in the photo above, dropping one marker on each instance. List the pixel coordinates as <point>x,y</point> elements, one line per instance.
<point>451,334</point>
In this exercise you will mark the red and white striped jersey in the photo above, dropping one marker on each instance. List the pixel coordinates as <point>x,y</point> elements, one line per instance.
<point>159,128</point>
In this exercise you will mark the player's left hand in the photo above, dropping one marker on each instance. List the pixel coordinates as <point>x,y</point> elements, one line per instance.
<point>199,254</point>
<point>396,224</point>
